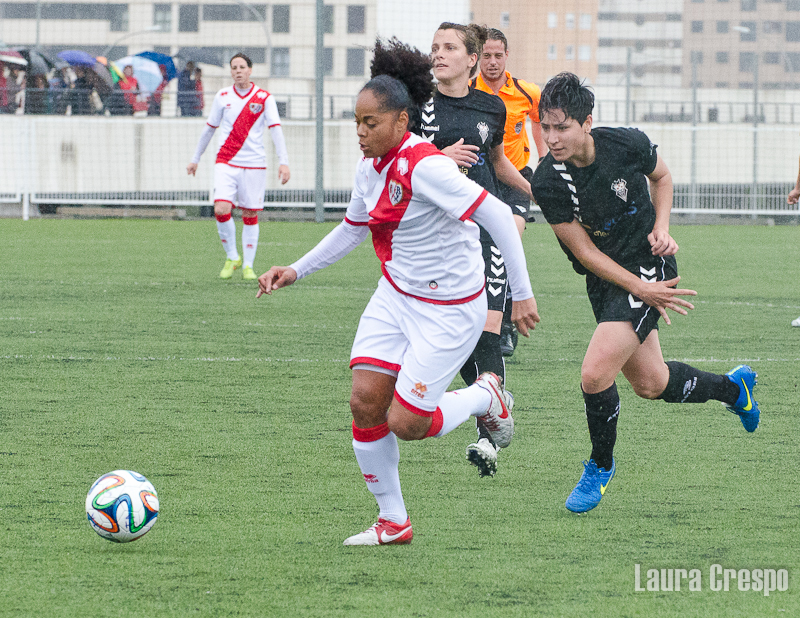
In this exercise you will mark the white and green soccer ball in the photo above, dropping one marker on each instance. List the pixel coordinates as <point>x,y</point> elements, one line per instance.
<point>122,506</point>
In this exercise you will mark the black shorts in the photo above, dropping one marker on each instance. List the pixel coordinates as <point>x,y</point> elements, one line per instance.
<point>494,267</point>
<point>611,303</point>
<point>518,201</point>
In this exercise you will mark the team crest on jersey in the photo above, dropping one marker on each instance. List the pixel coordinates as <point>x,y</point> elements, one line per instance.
<point>255,108</point>
<point>395,192</point>
<point>620,187</point>
<point>402,166</point>
<point>518,128</point>
<point>483,131</point>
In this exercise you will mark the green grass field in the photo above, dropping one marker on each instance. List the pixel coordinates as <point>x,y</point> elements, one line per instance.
<point>120,348</point>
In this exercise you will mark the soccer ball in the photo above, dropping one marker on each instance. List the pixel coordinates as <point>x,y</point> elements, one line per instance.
<point>122,506</point>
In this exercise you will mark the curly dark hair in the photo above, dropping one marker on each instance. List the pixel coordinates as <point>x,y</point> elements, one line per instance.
<point>401,78</point>
<point>566,92</point>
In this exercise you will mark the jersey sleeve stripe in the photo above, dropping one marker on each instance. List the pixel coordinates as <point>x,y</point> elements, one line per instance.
<point>277,124</point>
<point>212,126</point>
<point>355,223</point>
<point>474,206</point>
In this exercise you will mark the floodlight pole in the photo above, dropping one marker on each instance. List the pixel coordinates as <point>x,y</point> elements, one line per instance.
<point>695,114</point>
<point>319,192</point>
<point>753,197</point>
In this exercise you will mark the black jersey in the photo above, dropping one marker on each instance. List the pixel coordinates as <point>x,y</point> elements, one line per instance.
<point>610,197</point>
<point>479,118</point>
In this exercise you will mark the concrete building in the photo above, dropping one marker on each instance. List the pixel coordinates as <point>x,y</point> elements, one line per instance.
<point>730,40</point>
<point>545,38</point>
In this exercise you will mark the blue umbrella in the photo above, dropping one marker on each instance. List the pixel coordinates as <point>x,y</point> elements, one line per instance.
<point>78,58</point>
<point>162,60</point>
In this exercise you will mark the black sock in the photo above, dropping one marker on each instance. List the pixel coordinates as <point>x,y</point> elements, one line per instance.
<point>602,412</point>
<point>689,385</point>
<point>469,370</point>
<point>489,356</point>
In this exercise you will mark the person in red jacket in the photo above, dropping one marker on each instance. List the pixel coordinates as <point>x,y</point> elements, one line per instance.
<point>130,87</point>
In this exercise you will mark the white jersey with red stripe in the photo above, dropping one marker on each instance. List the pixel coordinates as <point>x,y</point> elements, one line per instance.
<point>417,205</point>
<point>241,119</point>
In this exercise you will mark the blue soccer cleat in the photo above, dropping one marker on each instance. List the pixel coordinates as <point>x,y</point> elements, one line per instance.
<point>590,489</point>
<point>746,406</point>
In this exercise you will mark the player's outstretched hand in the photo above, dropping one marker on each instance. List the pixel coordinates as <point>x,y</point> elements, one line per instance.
<point>284,174</point>
<point>661,243</point>
<point>461,153</point>
<point>664,295</point>
<point>793,197</point>
<point>275,278</point>
<point>191,169</point>
<point>525,315</point>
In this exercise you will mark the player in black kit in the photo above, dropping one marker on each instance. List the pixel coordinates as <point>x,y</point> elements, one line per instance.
<point>468,125</point>
<point>592,189</point>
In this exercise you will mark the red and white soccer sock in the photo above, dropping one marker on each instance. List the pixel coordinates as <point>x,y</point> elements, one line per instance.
<point>378,457</point>
<point>455,407</point>
<point>227,234</point>
<point>249,239</point>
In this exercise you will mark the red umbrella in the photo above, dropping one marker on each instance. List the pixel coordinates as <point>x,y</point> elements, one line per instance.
<point>9,56</point>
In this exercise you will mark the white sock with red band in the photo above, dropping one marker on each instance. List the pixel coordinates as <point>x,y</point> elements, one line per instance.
<point>378,457</point>
<point>455,407</point>
<point>249,239</point>
<point>227,234</point>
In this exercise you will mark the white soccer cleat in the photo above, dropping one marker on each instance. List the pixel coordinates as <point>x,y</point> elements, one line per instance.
<point>483,456</point>
<point>796,322</point>
<point>384,532</point>
<point>497,419</point>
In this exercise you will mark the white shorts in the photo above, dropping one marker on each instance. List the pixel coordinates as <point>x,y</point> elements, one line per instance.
<point>241,186</point>
<point>423,344</point>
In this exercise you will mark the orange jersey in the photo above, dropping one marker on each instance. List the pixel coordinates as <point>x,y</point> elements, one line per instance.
<point>521,99</point>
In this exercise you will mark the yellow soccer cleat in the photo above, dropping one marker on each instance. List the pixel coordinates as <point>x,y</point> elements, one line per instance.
<point>248,274</point>
<point>230,266</point>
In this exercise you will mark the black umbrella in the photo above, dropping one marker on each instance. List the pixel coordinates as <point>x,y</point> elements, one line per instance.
<point>39,62</point>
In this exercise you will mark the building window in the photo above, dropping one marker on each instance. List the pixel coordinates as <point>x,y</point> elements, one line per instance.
<point>748,5</point>
<point>188,17</point>
<point>281,13</point>
<point>505,19</point>
<point>750,35</point>
<point>696,57</point>
<point>552,20</point>
<point>585,21</point>
<point>552,52</point>
<point>584,52</point>
<point>747,62</point>
<point>280,62</point>
<point>233,12</point>
<point>721,85</point>
<point>162,17</point>
<point>355,62</point>
<point>723,58</point>
<point>327,61</point>
<point>772,58</point>
<point>722,27</point>
<point>327,19</point>
<point>697,26</point>
<point>569,52</point>
<point>793,31</point>
<point>792,64</point>
<point>772,27</point>
<point>569,21</point>
<point>357,21</point>
<point>118,17</point>
<point>793,5</point>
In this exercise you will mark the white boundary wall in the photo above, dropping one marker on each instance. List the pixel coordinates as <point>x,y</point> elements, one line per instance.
<point>105,160</point>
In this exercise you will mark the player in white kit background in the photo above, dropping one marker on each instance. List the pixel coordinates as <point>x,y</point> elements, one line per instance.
<point>241,112</point>
<point>430,306</point>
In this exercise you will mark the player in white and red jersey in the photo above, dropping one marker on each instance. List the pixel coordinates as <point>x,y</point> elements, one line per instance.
<point>430,306</point>
<point>241,112</point>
